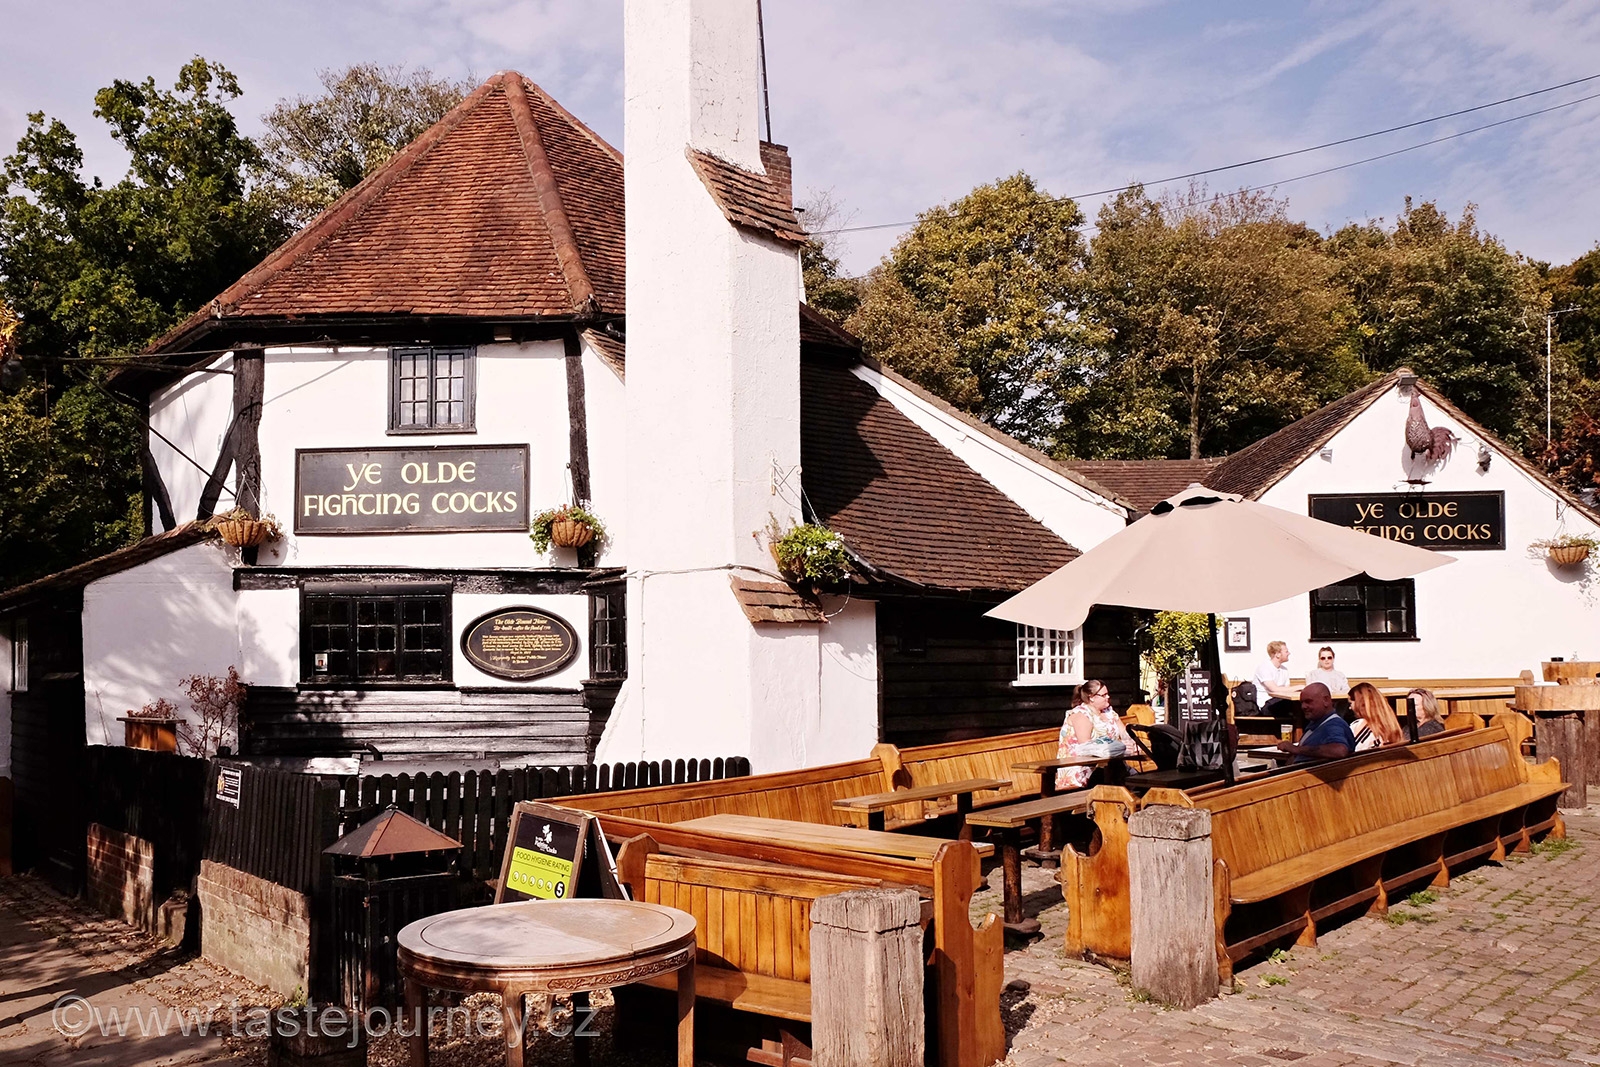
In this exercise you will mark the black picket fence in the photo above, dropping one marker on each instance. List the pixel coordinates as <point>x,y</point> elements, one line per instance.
<point>274,824</point>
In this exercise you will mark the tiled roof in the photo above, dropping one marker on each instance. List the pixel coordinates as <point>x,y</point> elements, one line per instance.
<point>774,602</point>
<point>818,329</point>
<point>753,201</point>
<point>612,349</point>
<point>1144,483</point>
<point>1255,468</point>
<point>79,575</point>
<point>507,207</point>
<point>904,503</point>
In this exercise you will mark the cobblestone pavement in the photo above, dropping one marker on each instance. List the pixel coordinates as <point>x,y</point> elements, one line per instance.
<point>1501,967</point>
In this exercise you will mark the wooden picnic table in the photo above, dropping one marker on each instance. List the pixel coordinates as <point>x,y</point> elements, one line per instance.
<point>1007,822</point>
<point>547,946</point>
<point>810,835</point>
<point>873,805</point>
<point>1047,851</point>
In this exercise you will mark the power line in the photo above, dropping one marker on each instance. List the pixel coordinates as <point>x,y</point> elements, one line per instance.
<point>1303,151</point>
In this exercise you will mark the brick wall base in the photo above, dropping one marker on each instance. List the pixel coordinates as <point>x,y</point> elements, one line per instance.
<point>255,928</point>
<point>121,876</point>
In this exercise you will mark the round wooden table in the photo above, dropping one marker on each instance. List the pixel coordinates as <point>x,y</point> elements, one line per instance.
<point>546,946</point>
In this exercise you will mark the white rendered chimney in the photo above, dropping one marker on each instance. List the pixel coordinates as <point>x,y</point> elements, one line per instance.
<point>713,407</point>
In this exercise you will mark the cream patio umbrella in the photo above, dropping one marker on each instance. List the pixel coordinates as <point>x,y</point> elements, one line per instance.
<point>1202,550</point>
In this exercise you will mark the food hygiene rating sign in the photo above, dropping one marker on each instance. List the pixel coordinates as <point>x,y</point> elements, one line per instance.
<point>411,490</point>
<point>546,853</point>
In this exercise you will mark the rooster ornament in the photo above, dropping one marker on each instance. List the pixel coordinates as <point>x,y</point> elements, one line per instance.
<point>1435,444</point>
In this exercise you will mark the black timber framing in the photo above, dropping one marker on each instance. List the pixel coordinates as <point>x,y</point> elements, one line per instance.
<point>550,580</point>
<point>948,671</point>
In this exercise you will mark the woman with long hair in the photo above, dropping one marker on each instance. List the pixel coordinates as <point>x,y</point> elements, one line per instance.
<point>1430,719</point>
<point>1375,725</point>
<point>1091,728</point>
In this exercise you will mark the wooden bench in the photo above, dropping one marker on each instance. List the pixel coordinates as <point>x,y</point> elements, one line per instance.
<point>872,808</point>
<point>755,950</point>
<point>1298,847</point>
<point>953,761</point>
<point>1006,822</point>
<point>804,795</point>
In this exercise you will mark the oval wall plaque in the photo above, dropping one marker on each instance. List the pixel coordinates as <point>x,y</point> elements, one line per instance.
<point>519,643</point>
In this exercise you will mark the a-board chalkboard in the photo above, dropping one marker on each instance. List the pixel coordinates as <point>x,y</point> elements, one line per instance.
<point>553,853</point>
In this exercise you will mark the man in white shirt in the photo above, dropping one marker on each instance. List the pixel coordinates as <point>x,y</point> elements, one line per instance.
<point>1272,678</point>
<point>1327,674</point>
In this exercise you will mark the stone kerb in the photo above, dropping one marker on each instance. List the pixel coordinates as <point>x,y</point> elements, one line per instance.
<point>1173,943</point>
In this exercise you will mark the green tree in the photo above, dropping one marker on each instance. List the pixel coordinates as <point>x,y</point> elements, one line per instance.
<point>828,289</point>
<point>1221,320</point>
<point>978,303</point>
<point>1453,304</point>
<point>94,270</point>
<point>318,147</point>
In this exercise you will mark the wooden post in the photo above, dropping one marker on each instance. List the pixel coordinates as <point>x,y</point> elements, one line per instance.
<point>866,979</point>
<point>1174,926</point>
<point>1560,729</point>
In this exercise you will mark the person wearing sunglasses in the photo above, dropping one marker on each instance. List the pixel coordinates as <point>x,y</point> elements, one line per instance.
<point>1091,728</point>
<point>1329,675</point>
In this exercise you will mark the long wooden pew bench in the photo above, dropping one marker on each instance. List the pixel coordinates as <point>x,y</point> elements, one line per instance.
<point>752,900</point>
<point>1297,848</point>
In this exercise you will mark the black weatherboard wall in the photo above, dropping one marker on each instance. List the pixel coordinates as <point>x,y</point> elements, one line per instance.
<point>948,672</point>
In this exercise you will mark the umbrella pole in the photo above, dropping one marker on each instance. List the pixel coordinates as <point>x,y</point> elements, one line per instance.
<point>1219,699</point>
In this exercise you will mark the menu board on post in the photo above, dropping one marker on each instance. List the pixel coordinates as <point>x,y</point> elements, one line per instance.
<point>519,643</point>
<point>1192,701</point>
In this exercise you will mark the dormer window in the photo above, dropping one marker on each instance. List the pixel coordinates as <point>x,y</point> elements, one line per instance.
<point>431,390</point>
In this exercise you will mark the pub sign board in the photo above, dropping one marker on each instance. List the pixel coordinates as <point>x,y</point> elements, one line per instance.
<point>421,489</point>
<point>519,643</point>
<point>1455,522</point>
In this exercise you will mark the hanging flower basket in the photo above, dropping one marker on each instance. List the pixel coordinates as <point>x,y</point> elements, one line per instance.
<point>1567,550</point>
<point>1569,555</point>
<point>570,533</point>
<point>569,526</point>
<point>241,529</point>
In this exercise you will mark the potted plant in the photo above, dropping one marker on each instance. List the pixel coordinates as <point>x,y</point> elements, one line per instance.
<point>812,554</point>
<point>1567,550</point>
<point>241,529</point>
<point>153,727</point>
<point>568,526</point>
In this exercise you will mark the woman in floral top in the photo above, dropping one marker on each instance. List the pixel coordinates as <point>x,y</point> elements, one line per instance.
<point>1091,729</point>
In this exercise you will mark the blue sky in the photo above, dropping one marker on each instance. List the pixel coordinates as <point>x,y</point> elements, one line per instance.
<point>894,105</point>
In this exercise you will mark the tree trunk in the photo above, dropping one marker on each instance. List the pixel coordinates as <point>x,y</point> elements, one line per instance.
<point>1194,419</point>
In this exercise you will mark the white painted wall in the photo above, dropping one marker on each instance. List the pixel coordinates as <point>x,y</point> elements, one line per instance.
<point>339,398</point>
<point>1490,614</point>
<point>148,627</point>
<point>1071,511</point>
<point>850,721</point>
<point>606,409</point>
<point>194,414</point>
<point>713,406</point>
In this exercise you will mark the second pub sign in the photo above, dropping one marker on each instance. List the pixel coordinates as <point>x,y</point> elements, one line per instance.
<point>411,490</point>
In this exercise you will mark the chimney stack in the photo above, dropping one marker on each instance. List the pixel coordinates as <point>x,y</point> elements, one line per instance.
<point>713,395</point>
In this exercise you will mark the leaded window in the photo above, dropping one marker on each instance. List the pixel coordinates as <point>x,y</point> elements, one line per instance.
<point>431,390</point>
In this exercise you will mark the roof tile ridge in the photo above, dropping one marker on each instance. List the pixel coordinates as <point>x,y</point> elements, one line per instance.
<point>556,105</point>
<point>545,187</point>
<point>1359,400</point>
<point>1517,460</point>
<point>999,436</point>
<point>332,218</point>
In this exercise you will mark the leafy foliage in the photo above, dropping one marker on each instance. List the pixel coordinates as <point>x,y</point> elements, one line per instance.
<point>1220,324</point>
<point>812,553</point>
<point>1455,306</point>
<point>977,304</point>
<point>317,148</point>
<point>540,528</point>
<point>1175,636</point>
<point>828,289</point>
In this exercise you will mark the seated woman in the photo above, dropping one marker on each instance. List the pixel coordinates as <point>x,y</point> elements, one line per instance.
<point>1091,729</point>
<point>1375,725</point>
<point>1430,719</point>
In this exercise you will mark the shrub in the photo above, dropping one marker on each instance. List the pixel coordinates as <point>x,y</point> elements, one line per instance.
<point>812,553</point>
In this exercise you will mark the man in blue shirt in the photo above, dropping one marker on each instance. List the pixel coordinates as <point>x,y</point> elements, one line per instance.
<point>1327,736</point>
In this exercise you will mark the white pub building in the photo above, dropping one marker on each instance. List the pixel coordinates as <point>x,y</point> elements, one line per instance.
<point>477,333</point>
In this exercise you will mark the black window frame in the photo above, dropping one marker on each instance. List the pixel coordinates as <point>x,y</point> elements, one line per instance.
<point>402,598</point>
<point>1324,608</point>
<point>608,632</point>
<point>469,387</point>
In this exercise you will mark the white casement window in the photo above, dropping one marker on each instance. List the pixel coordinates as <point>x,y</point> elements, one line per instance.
<point>1049,657</point>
